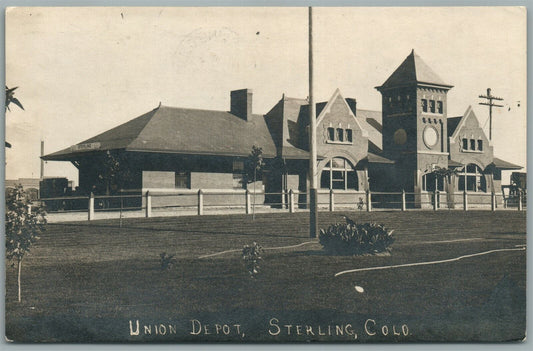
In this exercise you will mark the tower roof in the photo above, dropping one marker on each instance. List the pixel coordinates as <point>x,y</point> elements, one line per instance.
<point>413,70</point>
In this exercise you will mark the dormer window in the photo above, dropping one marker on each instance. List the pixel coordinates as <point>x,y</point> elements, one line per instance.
<point>349,135</point>
<point>331,134</point>
<point>472,144</point>
<point>432,106</point>
<point>439,107</point>
<point>480,145</point>
<point>340,134</point>
<point>465,144</point>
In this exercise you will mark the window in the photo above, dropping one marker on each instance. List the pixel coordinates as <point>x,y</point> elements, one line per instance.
<point>331,134</point>
<point>338,174</point>
<point>432,182</point>
<point>340,134</point>
<point>439,107</point>
<point>182,180</point>
<point>432,106</point>
<point>472,144</point>
<point>349,136</point>
<point>465,144</point>
<point>471,178</point>
<point>238,169</point>
<point>238,165</point>
<point>480,145</point>
<point>424,105</point>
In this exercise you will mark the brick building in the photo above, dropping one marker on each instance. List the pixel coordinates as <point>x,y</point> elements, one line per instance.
<point>397,149</point>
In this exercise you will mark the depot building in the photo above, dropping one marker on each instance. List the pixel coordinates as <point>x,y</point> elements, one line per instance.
<point>398,148</point>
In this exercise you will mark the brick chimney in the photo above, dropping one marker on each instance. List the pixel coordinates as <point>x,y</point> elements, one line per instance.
<point>353,105</point>
<point>241,103</point>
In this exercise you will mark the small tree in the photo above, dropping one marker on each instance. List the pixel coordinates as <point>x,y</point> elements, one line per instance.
<point>115,173</point>
<point>23,227</point>
<point>254,167</point>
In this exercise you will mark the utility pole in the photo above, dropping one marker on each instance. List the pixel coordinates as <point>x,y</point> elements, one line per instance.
<point>313,191</point>
<point>490,104</point>
<point>42,161</point>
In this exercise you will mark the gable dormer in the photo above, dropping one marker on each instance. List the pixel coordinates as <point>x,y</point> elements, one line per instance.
<point>339,131</point>
<point>468,142</point>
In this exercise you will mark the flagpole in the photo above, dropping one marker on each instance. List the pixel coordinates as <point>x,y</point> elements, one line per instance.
<point>313,191</point>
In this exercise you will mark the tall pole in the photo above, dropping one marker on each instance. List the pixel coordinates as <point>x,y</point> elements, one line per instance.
<point>42,161</point>
<point>490,104</point>
<point>313,192</point>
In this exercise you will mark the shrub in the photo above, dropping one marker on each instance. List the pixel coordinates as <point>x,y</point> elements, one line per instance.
<point>251,255</point>
<point>23,227</point>
<point>166,261</point>
<point>356,239</point>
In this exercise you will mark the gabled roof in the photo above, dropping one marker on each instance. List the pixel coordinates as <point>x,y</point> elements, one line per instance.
<point>180,130</point>
<point>502,164</point>
<point>413,70</point>
<point>453,122</point>
<point>469,113</point>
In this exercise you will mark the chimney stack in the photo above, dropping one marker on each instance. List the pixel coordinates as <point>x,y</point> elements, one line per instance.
<point>353,105</point>
<point>241,103</point>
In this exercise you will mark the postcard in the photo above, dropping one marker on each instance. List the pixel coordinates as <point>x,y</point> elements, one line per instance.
<point>265,174</point>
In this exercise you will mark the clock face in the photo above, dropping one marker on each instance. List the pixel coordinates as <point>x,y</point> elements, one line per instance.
<point>400,137</point>
<point>431,136</point>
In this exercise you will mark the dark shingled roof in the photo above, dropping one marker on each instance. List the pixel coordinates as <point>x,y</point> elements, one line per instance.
<point>180,130</point>
<point>413,70</point>
<point>501,164</point>
<point>453,122</point>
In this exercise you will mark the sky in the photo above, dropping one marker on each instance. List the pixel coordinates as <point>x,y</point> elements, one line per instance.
<point>82,71</point>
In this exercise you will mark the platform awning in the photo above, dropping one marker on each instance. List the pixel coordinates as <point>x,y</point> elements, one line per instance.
<point>502,164</point>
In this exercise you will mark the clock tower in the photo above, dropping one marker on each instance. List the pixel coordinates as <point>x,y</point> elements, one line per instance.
<point>414,122</point>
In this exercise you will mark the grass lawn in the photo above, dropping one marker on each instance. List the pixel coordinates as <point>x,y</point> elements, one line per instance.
<point>85,282</point>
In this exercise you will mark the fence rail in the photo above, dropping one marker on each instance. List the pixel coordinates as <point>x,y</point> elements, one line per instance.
<point>198,202</point>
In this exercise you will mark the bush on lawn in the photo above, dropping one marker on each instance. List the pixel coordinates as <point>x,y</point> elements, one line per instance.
<point>356,239</point>
<point>251,255</point>
<point>166,261</point>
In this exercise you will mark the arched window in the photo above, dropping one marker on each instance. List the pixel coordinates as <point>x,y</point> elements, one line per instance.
<point>471,178</point>
<point>339,174</point>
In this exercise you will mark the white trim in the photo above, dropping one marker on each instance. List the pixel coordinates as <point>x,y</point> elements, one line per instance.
<point>433,152</point>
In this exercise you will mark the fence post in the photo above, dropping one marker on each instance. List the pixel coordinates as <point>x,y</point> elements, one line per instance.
<point>465,201</point>
<point>291,201</point>
<point>368,201</point>
<point>200,202</point>
<point>148,204</point>
<point>520,204</point>
<point>91,207</point>
<point>248,202</point>
<point>403,200</point>
<point>331,201</point>
<point>435,200</point>
<point>493,201</point>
